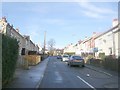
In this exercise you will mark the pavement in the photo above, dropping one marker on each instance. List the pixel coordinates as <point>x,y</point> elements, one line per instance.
<point>30,78</point>
<point>102,70</point>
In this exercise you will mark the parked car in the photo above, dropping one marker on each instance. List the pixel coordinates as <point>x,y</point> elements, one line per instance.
<point>65,57</point>
<point>76,60</point>
<point>59,57</point>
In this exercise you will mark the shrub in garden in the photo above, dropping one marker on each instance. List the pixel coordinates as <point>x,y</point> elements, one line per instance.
<point>89,58</point>
<point>119,58</point>
<point>102,55</point>
<point>110,63</point>
<point>95,62</point>
<point>119,64</point>
<point>9,58</point>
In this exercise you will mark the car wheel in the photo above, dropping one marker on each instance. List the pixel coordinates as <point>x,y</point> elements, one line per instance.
<point>83,65</point>
<point>70,65</point>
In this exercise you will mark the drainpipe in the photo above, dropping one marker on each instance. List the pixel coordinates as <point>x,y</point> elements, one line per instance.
<point>113,37</point>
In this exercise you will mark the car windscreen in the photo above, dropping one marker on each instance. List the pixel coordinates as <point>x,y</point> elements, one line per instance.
<point>65,56</point>
<point>77,57</point>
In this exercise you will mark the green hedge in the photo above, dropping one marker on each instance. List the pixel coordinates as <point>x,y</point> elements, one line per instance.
<point>9,58</point>
<point>96,62</point>
<point>110,63</point>
<point>119,64</point>
<point>102,55</point>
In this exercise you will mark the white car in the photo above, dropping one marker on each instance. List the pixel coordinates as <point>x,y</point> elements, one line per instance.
<point>65,57</point>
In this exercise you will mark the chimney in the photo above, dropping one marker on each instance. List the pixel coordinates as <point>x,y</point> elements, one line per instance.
<point>94,33</point>
<point>17,30</point>
<point>115,22</point>
<point>4,19</point>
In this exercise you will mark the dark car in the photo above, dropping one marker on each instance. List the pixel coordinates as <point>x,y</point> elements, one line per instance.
<point>59,57</point>
<point>76,60</point>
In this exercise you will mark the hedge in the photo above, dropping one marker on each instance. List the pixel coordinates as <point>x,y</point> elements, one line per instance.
<point>96,62</point>
<point>0,61</point>
<point>109,62</point>
<point>9,58</point>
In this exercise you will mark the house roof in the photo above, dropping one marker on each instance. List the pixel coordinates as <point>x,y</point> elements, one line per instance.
<point>108,30</point>
<point>14,30</point>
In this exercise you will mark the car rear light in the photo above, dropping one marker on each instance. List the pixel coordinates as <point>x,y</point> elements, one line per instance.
<point>77,61</point>
<point>74,60</point>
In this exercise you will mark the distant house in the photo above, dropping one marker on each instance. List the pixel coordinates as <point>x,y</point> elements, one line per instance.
<point>87,45</point>
<point>70,49</point>
<point>58,52</point>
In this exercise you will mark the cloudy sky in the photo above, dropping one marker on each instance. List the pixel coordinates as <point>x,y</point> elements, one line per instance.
<point>65,22</point>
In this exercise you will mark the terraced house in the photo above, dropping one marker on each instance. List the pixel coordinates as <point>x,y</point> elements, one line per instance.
<point>107,42</point>
<point>25,44</point>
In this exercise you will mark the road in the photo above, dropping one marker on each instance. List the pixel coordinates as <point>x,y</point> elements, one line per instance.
<point>59,75</point>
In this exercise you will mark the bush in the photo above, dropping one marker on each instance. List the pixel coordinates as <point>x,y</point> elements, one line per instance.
<point>119,64</point>
<point>110,63</point>
<point>102,55</point>
<point>88,58</point>
<point>119,58</point>
<point>9,58</point>
<point>95,62</point>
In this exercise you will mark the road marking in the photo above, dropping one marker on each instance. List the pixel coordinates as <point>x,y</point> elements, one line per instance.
<point>86,82</point>
<point>66,62</point>
<point>54,66</point>
<point>106,73</point>
<point>100,71</point>
<point>58,77</point>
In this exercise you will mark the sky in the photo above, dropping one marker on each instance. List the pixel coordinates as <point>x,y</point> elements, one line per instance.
<point>65,22</point>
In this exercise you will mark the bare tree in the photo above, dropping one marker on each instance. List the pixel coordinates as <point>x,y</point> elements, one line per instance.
<point>51,44</point>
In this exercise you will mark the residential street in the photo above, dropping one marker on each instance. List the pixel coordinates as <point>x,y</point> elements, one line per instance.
<point>71,44</point>
<point>59,75</point>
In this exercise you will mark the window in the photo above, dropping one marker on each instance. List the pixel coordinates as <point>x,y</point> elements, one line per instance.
<point>110,50</point>
<point>11,34</point>
<point>23,51</point>
<point>104,41</point>
<point>109,37</point>
<point>77,57</point>
<point>66,56</point>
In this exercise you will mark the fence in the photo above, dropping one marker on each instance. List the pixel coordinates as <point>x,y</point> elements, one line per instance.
<point>25,61</point>
<point>29,60</point>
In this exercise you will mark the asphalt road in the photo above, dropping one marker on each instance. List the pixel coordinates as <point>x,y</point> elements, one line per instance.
<point>59,75</point>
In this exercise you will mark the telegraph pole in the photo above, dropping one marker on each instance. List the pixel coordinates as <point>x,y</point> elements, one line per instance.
<point>44,44</point>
